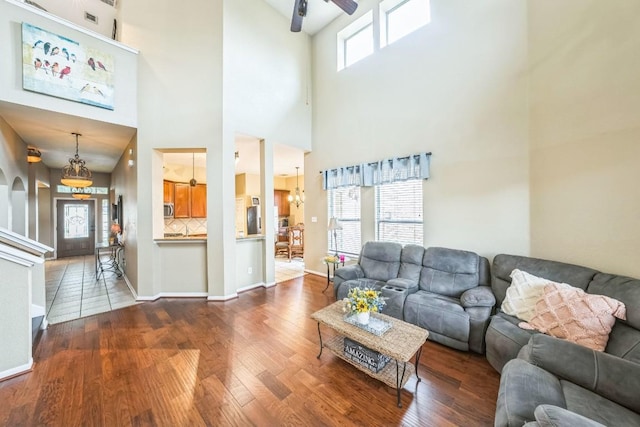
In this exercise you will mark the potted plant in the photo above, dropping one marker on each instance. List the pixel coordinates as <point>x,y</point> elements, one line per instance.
<point>361,302</point>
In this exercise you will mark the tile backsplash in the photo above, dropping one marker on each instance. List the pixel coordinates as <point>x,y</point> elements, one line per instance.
<point>180,225</point>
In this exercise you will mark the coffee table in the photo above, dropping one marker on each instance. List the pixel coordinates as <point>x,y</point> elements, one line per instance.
<point>400,342</point>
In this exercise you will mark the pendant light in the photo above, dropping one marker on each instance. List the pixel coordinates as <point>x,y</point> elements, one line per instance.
<point>299,196</point>
<point>76,174</point>
<point>80,193</point>
<point>33,155</point>
<point>193,181</point>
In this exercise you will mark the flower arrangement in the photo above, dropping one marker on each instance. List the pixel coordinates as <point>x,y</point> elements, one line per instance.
<point>363,301</point>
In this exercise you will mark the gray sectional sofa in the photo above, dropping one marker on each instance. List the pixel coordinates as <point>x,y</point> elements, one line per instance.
<point>549,381</point>
<point>445,291</point>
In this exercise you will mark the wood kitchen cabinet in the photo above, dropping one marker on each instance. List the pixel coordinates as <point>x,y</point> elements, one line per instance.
<point>281,200</point>
<point>182,203</point>
<point>169,191</point>
<point>199,201</point>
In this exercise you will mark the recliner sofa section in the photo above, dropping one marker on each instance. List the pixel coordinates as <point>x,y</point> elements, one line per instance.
<point>445,291</point>
<point>550,381</point>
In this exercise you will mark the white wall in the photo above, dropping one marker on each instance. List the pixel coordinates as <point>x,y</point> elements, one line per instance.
<point>267,75</point>
<point>124,182</point>
<point>585,132</point>
<point>457,88</point>
<point>125,86</point>
<point>13,165</point>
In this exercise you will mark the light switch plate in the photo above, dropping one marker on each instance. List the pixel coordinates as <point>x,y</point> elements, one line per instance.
<point>314,219</point>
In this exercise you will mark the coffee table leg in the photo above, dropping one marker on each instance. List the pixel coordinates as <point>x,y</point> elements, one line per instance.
<point>418,362</point>
<point>320,335</point>
<point>399,379</point>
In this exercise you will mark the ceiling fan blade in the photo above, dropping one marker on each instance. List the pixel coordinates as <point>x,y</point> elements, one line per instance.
<point>349,6</point>
<point>299,11</point>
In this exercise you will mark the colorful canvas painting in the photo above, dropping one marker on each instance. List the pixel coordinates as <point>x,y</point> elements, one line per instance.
<point>57,66</point>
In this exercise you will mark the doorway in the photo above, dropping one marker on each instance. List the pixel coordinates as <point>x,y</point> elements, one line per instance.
<point>75,228</point>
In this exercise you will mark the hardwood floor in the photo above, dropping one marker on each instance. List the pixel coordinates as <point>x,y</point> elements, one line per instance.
<point>248,361</point>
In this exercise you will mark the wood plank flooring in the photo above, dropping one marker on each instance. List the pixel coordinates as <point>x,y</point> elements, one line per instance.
<point>248,361</point>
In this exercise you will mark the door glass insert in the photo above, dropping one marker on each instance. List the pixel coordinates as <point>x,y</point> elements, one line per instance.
<point>76,221</point>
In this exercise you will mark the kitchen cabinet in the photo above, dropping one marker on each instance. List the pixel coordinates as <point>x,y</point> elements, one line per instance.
<point>199,201</point>
<point>182,203</point>
<point>168,190</point>
<point>281,200</point>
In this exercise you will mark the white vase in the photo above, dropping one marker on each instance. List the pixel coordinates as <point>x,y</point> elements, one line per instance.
<point>363,318</point>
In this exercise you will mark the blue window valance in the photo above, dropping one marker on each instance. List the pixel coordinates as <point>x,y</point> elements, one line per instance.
<point>415,166</point>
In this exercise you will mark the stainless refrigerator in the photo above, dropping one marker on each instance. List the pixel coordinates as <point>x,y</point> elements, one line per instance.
<point>254,221</point>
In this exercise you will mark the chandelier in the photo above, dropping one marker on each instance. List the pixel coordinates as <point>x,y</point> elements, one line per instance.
<point>76,174</point>
<point>298,199</point>
<point>80,193</point>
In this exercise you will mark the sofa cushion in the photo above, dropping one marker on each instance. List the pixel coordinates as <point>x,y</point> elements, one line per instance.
<point>449,272</point>
<point>624,289</point>
<point>504,339</point>
<point>596,407</point>
<point>523,294</point>
<point>572,314</point>
<point>437,313</point>
<point>503,265</point>
<point>523,387</point>
<point>411,262</point>
<point>380,260</point>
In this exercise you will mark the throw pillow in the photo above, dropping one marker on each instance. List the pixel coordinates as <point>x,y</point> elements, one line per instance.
<point>572,314</point>
<point>523,294</point>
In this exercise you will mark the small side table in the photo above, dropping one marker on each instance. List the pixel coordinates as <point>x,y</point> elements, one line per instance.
<point>111,263</point>
<point>331,269</point>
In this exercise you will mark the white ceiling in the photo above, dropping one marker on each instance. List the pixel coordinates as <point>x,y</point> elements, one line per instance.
<point>102,144</point>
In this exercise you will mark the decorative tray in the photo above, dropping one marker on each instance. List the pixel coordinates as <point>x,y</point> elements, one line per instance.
<point>376,326</point>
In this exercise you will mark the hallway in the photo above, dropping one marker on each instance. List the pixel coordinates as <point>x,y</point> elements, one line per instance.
<point>287,270</point>
<point>73,291</point>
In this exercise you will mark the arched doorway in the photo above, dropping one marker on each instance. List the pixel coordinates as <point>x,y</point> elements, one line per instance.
<point>18,207</point>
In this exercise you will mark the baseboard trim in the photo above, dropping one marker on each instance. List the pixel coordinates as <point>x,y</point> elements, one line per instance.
<point>18,370</point>
<point>250,287</point>
<point>317,273</point>
<point>133,291</point>
<point>222,298</point>
<point>172,295</point>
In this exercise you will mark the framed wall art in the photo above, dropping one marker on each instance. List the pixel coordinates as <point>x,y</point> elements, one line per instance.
<point>57,66</point>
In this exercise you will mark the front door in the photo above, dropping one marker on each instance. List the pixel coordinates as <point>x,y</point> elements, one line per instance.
<point>75,227</point>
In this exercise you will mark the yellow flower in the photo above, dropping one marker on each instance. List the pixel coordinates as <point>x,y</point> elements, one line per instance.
<point>370,293</point>
<point>362,306</point>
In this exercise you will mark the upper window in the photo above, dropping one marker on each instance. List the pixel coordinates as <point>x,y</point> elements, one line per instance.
<point>399,212</point>
<point>355,41</point>
<point>344,205</point>
<point>401,17</point>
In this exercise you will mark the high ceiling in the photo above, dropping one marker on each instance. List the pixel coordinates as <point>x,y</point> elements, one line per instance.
<point>102,144</point>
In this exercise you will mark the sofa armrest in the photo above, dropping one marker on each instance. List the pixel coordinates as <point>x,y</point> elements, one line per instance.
<point>410,285</point>
<point>554,416</point>
<point>482,296</point>
<point>349,272</point>
<point>609,376</point>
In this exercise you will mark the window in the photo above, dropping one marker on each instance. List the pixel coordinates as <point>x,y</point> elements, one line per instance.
<point>105,221</point>
<point>355,41</point>
<point>344,204</point>
<point>76,221</point>
<point>401,17</point>
<point>399,212</point>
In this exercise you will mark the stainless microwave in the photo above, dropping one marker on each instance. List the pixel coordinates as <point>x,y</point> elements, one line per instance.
<point>168,210</point>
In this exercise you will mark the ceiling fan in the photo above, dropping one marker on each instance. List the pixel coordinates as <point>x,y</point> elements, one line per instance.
<point>300,11</point>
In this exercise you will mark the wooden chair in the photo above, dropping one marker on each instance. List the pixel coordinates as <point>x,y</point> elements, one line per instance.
<point>296,242</point>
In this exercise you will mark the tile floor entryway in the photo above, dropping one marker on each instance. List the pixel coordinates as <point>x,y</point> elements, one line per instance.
<point>286,270</point>
<point>73,291</point>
